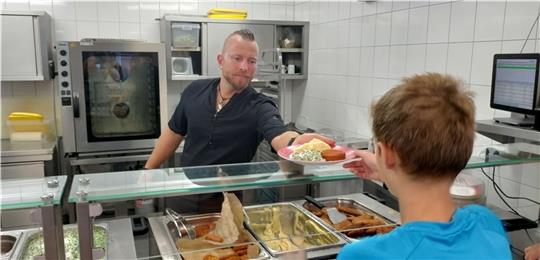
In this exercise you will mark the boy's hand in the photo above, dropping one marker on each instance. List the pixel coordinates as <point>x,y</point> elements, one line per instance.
<point>365,168</point>
<point>532,252</point>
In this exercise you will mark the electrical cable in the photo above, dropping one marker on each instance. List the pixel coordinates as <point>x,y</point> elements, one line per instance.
<point>522,254</point>
<point>528,35</point>
<point>506,195</point>
<point>497,188</point>
<point>529,235</point>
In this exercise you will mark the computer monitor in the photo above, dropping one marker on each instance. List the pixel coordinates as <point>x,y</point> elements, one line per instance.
<point>514,87</point>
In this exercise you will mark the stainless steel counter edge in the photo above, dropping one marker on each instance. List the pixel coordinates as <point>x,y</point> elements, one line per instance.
<point>27,151</point>
<point>121,244</point>
<point>166,247</point>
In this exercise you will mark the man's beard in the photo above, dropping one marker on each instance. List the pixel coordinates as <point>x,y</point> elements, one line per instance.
<point>236,87</point>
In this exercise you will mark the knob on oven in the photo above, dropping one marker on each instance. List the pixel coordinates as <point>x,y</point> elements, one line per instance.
<point>63,63</point>
<point>64,73</point>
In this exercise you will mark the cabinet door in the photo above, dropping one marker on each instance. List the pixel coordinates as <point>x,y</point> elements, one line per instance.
<point>18,47</point>
<point>217,32</point>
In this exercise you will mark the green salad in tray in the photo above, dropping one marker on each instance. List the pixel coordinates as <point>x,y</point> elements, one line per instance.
<point>35,247</point>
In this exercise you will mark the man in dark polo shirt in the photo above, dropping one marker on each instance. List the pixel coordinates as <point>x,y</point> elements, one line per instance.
<point>224,120</point>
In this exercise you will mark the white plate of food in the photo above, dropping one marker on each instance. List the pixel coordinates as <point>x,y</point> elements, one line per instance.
<point>317,152</point>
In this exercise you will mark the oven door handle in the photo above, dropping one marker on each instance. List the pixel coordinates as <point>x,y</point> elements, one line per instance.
<point>76,110</point>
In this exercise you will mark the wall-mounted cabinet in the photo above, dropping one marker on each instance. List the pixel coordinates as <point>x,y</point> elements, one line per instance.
<point>194,43</point>
<point>292,44</point>
<point>26,46</point>
<point>185,49</point>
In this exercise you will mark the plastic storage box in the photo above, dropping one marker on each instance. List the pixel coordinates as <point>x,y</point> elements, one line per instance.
<point>28,130</point>
<point>185,35</point>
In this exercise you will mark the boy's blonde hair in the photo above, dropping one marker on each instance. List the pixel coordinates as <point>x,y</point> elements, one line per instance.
<point>428,120</point>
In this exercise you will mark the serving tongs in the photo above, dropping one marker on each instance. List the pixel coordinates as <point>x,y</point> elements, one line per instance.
<point>179,221</point>
<point>334,214</point>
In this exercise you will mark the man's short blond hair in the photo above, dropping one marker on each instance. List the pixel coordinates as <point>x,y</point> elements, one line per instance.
<point>428,120</point>
<point>245,34</point>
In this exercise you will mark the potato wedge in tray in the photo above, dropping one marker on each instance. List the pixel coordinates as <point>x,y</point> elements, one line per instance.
<point>360,222</point>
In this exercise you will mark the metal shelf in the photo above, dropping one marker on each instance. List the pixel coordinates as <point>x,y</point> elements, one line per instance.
<point>186,49</point>
<point>256,79</point>
<point>293,76</point>
<point>189,77</point>
<point>290,50</point>
<point>506,133</point>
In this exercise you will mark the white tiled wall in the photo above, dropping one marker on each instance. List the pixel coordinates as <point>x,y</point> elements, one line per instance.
<point>371,45</point>
<point>120,19</point>
<point>388,40</point>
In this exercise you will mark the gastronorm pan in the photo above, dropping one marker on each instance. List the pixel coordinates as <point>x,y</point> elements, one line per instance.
<point>31,247</point>
<point>283,228</point>
<point>361,221</point>
<point>200,222</point>
<point>9,242</point>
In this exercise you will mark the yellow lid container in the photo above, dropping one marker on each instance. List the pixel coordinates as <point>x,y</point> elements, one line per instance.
<point>27,126</point>
<point>232,14</point>
<point>16,116</point>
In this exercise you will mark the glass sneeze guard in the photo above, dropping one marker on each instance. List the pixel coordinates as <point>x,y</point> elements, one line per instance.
<point>503,154</point>
<point>129,185</point>
<point>27,193</point>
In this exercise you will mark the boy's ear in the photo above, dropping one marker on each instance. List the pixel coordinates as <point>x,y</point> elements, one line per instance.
<point>388,155</point>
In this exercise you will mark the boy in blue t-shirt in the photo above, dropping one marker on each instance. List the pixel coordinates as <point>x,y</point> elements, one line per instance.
<point>424,130</point>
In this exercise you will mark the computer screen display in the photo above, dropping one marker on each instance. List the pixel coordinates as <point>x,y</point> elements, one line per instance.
<point>514,85</point>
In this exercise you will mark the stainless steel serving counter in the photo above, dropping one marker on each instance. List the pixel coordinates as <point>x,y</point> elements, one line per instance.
<point>24,151</point>
<point>168,249</point>
<point>121,244</point>
<point>26,159</point>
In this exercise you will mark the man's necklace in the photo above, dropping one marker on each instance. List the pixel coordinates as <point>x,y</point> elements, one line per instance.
<point>221,103</point>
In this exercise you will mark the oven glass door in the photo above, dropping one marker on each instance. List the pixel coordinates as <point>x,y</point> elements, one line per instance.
<point>121,92</point>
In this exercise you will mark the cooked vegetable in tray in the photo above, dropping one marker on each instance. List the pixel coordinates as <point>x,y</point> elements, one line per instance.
<point>34,245</point>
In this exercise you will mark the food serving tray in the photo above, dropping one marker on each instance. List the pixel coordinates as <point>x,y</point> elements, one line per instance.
<point>29,236</point>
<point>362,222</point>
<point>198,222</point>
<point>9,242</point>
<point>285,228</point>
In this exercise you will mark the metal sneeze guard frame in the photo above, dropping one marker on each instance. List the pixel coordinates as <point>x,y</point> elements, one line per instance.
<point>45,194</point>
<point>158,183</point>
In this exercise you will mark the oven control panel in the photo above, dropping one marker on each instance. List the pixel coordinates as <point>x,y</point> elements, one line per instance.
<point>64,74</point>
